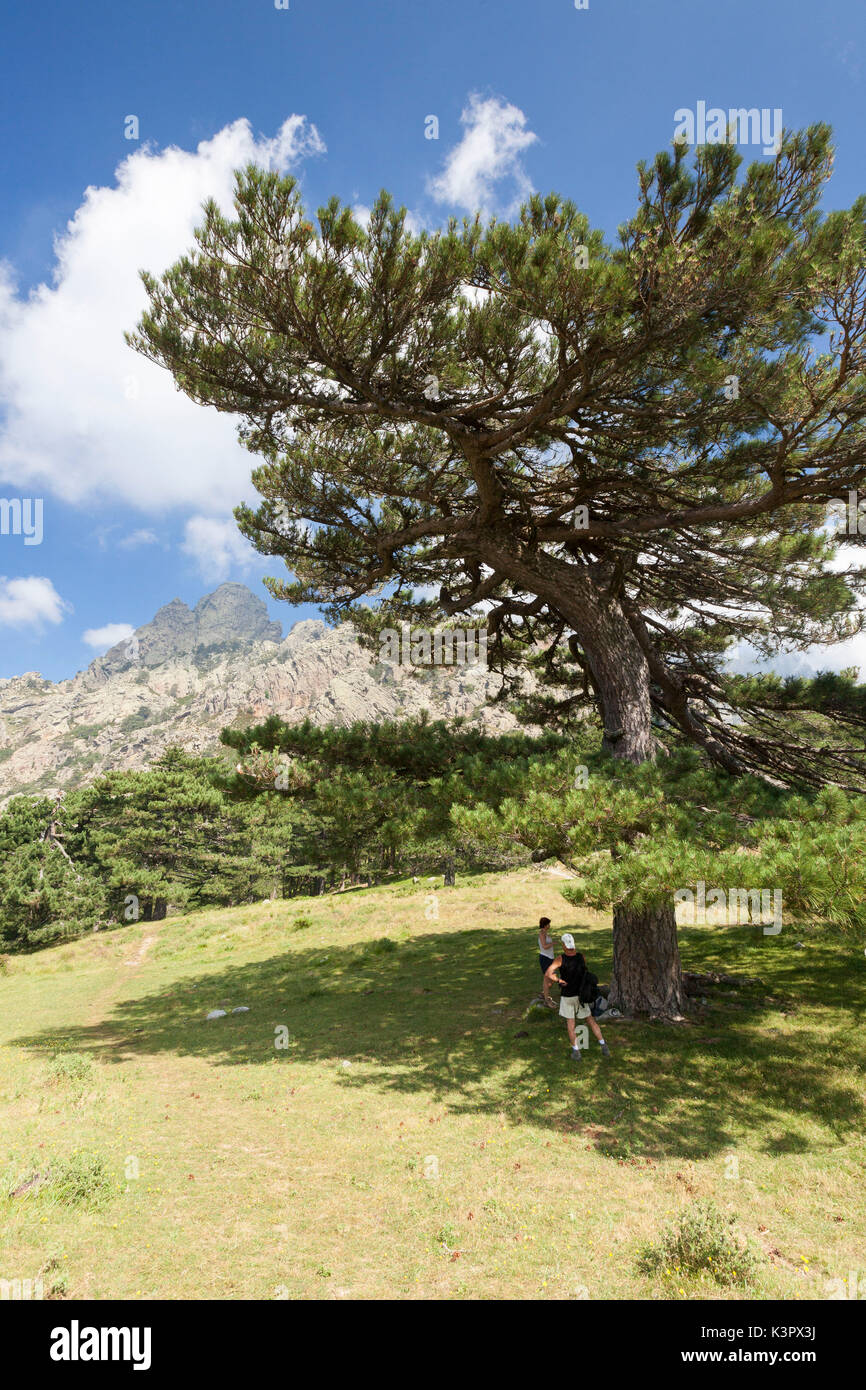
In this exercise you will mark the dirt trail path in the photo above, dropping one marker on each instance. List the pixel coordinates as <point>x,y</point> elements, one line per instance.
<point>143,949</point>
<point>102,1001</point>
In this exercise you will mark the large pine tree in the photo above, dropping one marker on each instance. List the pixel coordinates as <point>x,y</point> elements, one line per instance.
<point>622,452</point>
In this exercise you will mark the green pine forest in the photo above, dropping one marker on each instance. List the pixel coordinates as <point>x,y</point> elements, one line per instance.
<point>299,810</point>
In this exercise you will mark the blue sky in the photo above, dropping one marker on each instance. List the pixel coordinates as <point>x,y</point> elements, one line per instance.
<point>137,483</point>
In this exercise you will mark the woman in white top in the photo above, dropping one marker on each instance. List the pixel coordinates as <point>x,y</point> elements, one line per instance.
<point>546,954</point>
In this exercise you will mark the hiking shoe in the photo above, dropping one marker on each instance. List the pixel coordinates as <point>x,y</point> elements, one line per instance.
<point>605,1050</point>
<point>576,1055</point>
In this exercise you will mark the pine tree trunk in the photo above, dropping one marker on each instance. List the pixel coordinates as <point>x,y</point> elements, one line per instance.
<point>646,964</point>
<point>647,977</point>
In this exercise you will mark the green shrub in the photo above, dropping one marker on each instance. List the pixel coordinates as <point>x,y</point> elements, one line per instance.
<point>84,731</point>
<point>382,946</point>
<point>301,924</point>
<point>55,1279</point>
<point>135,721</point>
<point>81,1180</point>
<point>446,1238</point>
<point>699,1242</point>
<point>69,1066</point>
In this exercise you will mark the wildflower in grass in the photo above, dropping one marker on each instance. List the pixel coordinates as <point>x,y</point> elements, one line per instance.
<point>701,1240</point>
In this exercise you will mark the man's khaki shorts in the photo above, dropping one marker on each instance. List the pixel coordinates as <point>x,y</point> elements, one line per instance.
<point>571,1007</point>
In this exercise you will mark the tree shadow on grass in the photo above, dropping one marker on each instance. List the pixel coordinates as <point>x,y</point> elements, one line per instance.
<point>446,1015</point>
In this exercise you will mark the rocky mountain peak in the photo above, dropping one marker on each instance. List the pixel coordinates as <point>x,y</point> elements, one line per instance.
<point>191,672</point>
<point>230,618</point>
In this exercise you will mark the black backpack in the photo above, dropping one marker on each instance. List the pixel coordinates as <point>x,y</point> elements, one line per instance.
<point>588,988</point>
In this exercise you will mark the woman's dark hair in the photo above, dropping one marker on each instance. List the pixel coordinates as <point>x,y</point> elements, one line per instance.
<point>544,921</point>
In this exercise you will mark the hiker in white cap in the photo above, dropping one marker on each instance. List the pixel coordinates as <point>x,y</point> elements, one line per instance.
<point>572,969</point>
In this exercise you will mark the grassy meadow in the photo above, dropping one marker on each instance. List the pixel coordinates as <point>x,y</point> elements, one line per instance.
<point>393,1119</point>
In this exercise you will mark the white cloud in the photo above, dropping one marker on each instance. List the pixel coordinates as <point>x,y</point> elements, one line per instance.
<point>137,538</point>
<point>745,660</point>
<point>101,638</point>
<point>218,548</point>
<point>362,213</point>
<point>495,136</point>
<point>85,415</point>
<point>834,656</point>
<point>30,602</point>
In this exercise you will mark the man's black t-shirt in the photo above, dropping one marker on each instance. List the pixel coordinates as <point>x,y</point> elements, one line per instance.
<point>572,971</point>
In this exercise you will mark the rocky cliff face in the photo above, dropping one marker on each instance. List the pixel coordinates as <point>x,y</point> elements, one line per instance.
<point>228,619</point>
<point>189,673</point>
